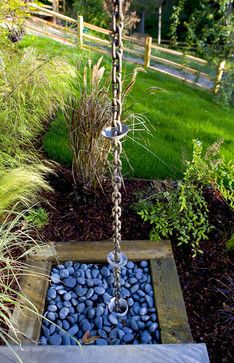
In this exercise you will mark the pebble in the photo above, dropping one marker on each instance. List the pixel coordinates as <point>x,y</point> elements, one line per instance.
<point>52,328</point>
<point>43,340</point>
<point>81,291</point>
<point>140,324</point>
<point>51,316</point>
<point>128,338</point>
<point>101,342</point>
<point>148,288</point>
<point>125,293</point>
<point>143,311</point>
<point>99,290</point>
<point>83,267</point>
<point>141,293</point>
<point>46,331</point>
<point>66,340</point>
<point>73,330</point>
<point>68,263</point>
<point>102,334</point>
<point>106,298</point>
<point>89,293</point>
<point>132,280</point>
<point>146,337</point>
<point>127,330</point>
<point>67,296</point>
<point>121,334</point>
<point>130,302</point>
<point>130,264</point>
<point>134,325</point>
<point>153,327</point>
<point>105,271</point>
<point>99,310</point>
<point>134,288</point>
<point>52,308</point>
<point>80,308</point>
<point>70,282</point>
<point>55,278</point>
<point>90,313</point>
<point>86,326</point>
<point>98,322</point>
<point>55,339</point>
<point>144,264</point>
<point>150,301</point>
<point>71,270</point>
<point>80,280</point>
<point>64,274</point>
<point>63,313</point>
<point>113,319</point>
<point>114,333</point>
<point>51,293</point>
<point>145,318</point>
<point>66,325</point>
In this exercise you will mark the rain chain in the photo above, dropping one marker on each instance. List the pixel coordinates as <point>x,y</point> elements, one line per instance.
<point>115,133</point>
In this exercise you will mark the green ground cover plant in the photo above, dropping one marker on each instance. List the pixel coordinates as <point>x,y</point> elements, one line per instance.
<point>176,112</point>
<point>38,217</point>
<point>181,210</point>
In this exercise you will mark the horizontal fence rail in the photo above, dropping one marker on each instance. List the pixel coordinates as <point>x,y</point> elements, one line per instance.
<point>65,29</point>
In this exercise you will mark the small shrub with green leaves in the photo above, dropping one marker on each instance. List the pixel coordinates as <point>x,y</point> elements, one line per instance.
<point>37,217</point>
<point>181,209</point>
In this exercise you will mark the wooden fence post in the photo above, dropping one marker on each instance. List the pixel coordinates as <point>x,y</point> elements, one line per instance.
<point>148,44</point>
<point>55,7</point>
<point>80,29</point>
<point>219,76</point>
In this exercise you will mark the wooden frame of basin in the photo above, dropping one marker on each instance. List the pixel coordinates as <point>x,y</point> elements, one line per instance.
<point>169,301</point>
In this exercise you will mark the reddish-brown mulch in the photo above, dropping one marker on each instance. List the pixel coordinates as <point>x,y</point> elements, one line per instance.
<point>90,219</point>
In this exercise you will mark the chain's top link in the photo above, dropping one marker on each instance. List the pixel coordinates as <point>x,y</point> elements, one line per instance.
<point>117,56</point>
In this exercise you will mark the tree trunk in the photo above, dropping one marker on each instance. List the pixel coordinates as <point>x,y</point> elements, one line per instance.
<point>159,24</point>
<point>142,23</point>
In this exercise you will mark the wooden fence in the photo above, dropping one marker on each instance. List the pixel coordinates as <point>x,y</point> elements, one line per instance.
<point>138,50</point>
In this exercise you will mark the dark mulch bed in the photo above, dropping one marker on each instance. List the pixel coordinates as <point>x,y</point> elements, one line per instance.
<point>90,219</point>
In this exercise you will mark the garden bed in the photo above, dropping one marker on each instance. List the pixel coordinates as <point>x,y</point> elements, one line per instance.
<point>72,219</point>
<point>171,311</point>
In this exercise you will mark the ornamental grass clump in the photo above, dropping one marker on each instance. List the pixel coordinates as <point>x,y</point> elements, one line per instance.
<point>22,185</point>
<point>32,87</point>
<point>16,244</point>
<point>86,116</point>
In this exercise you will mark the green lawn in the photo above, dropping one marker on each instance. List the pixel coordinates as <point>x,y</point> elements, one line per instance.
<point>175,115</point>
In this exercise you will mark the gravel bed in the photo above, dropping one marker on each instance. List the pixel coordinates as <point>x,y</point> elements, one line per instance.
<point>77,306</point>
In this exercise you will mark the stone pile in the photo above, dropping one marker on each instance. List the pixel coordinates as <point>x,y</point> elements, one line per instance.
<point>77,303</point>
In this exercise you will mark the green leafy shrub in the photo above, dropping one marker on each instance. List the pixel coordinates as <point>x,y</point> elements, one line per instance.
<point>181,209</point>
<point>37,217</point>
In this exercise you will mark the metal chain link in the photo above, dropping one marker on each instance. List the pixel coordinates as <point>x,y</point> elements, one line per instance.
<point>117,56</point>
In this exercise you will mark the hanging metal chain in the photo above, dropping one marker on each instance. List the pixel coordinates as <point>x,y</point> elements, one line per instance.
<point>117,56</point>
